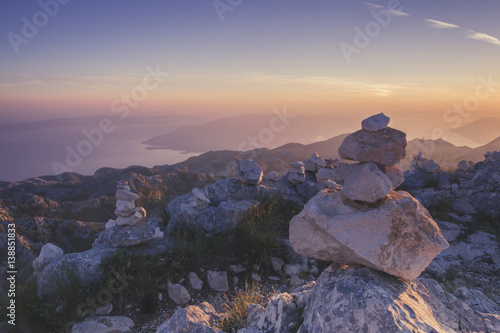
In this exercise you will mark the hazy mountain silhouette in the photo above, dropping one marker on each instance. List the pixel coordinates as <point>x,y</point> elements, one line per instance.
<point>253,131</point>
<point>482,131</point>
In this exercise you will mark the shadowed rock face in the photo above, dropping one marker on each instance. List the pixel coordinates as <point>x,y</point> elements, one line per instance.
<point>395,235</point>
<point>386,147</point>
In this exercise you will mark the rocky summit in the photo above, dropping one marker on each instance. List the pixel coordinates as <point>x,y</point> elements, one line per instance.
<point>366,222</point>
<point>323,245</point>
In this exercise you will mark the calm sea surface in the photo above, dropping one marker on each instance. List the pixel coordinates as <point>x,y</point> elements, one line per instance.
<point>26,154</point>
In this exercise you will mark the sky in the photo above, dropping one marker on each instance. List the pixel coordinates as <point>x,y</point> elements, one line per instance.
<point>415,60</point>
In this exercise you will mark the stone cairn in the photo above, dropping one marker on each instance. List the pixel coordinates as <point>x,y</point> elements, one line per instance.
<point>131,227</point>
<point>127,212</point>
<point>365,221</point>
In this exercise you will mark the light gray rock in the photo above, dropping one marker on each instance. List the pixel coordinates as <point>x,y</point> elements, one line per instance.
<point>281,315</point>
<point>84,266</point>
<point>375,122</point>
<point>178,293</point>
<point>292,269</point>
<point>217,280</point>
<point>314,163</point>
<point>48,254</point>
<point>397,235</point>
<point>296,178</point>
<point>191,319</point>
<point>296,164</point>
<point>126,195</point>
<point>277,263</point>
<point>138,216</point>
<point>386,147</point>
<point>110,224</point>
<point>117,324</point>
<point>363,300</point>
<point>365,182</point>
<point>201,195</point>
<point>129,235</point>
<point>248,172</point>
<point>477,301</point>
<point>124,208</point>
<point>194,281</point>
<point>325,174</point>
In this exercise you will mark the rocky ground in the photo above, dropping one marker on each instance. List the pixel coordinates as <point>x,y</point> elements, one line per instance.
<point>457,292</point>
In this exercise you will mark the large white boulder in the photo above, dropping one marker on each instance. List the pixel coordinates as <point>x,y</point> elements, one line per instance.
<point>396,235</point>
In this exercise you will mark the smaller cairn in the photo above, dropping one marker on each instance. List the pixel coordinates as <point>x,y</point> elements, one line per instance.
<point>296,173</point>
<point>314,163</point>
<point>127,212</point>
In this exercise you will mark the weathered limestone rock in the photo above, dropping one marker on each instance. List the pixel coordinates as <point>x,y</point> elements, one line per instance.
<point>363,300</point>
<point>248,172</point>
<point>272,175</point>
<point>48,254</point>
<point>139,215</point>
<point>296,173</point>
<point>194,281</point>
<point>396,235</point>
<point>178,293</point>
<point>281,315</point>
<point>375,122</point>
<point>126,195</point>
<point>386,146</point>
<point>124,208</point>
<point>314,163</point>
<point>104,325</point>
<point>217,280</point>
<point>191,319</point>
<point>364,182</point>
<point>129,235</point>
<point>85,265</point>
<point>201,195</point>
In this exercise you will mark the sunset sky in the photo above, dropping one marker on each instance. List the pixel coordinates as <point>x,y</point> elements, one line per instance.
<point>249,56</point>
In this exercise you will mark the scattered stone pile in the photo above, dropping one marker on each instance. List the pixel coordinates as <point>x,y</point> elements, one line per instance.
<point>131,227</point>
<point>473,188</point>
<point>367,222</point>
<point>296,173</point>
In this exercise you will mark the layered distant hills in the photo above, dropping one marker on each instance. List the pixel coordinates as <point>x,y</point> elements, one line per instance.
<point>481,131</point>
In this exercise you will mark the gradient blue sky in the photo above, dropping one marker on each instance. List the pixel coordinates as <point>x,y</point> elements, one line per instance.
<point>264,54</point>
